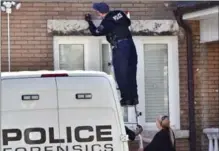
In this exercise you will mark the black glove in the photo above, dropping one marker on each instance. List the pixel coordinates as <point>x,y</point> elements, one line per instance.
<point>87,17</point>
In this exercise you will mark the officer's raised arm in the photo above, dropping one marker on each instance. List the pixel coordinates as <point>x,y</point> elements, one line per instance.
<point>103,29</point>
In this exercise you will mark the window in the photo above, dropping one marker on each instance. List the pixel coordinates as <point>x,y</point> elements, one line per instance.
<point>76,53</point>
<point>71,56</point>
<point>156,81</point>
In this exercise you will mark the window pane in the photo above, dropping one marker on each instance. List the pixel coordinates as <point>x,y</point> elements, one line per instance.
<point>71,56</point>
<point>106,59</point>
<point>156,80</point>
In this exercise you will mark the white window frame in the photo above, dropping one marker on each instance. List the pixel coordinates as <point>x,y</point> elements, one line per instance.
<point>173,76</point>
<point>88,41</point>
<point>173,68</point>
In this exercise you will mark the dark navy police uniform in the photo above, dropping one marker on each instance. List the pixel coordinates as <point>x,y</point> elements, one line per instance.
<point>115,26</point>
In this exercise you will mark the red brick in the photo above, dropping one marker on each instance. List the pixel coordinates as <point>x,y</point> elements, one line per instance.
<point>139,5</point>
<point>39,4</point>
<point>126,5</point>
<point>76,5</point>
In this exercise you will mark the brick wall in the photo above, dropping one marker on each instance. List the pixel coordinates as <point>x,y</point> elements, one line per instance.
<point>206,83</point>
<point>32,49</point>
<point>206,74</point>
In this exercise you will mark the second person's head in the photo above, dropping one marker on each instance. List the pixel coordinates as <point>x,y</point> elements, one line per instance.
<point>163,122</point>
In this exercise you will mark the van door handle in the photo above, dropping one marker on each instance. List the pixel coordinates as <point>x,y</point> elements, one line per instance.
<point>86,96</point>
<point>30,97</point>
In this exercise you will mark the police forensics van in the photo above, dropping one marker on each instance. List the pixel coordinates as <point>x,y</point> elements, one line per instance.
<point>60,111</point>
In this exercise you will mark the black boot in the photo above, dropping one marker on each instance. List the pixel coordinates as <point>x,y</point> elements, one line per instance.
<point>131,134</point>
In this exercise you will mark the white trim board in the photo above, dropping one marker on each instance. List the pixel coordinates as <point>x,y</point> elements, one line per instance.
<point>202,14</point>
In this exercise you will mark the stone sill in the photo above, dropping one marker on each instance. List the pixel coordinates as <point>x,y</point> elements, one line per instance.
<point>138,27</point>
<point>148,135</point>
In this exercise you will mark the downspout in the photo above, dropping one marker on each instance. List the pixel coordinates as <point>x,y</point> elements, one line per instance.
<point>188,31</point>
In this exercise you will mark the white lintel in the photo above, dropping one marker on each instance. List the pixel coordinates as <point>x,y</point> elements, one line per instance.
<point>138,26</point>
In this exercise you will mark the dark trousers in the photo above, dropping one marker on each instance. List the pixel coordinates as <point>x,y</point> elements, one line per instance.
<point>125,68</point>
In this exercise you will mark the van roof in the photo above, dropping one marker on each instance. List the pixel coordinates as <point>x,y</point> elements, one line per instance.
<point>37,74</point>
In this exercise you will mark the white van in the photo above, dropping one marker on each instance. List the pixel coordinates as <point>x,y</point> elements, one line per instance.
<point>61,111</point>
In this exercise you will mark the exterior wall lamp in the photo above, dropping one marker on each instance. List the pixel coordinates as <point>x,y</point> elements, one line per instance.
<point>7,6</point>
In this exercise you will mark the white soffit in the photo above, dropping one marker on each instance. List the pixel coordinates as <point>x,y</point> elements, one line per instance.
<point>202,14</point>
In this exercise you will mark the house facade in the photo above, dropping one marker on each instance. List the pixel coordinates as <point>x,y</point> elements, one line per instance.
<point>52,35</point>
<point>202,28</point>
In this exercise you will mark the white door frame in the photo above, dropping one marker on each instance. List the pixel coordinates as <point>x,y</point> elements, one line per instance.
<point>173,77</point>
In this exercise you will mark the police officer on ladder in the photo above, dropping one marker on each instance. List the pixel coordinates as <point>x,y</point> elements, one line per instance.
<point>115,26</point>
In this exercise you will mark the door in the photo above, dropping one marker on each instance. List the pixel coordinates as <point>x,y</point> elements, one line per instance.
<point>88,117</point>
<point>29,113</point>
<point>158,79</point>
